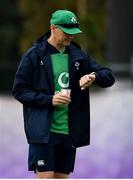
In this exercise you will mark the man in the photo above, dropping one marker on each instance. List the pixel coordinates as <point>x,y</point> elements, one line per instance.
<point>52,83</point>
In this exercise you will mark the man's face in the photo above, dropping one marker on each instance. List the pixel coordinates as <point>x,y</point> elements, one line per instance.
<point>62,38</point>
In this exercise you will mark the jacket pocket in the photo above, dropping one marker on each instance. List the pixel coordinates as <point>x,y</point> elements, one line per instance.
<point>38,123</point>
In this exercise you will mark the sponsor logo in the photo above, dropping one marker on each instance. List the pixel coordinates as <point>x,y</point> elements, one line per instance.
<point>63,80</point>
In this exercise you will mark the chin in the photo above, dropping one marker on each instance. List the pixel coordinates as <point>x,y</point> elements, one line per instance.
<point>67,43</point>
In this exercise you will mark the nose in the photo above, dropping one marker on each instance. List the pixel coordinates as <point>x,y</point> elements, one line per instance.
<point>70,36</point>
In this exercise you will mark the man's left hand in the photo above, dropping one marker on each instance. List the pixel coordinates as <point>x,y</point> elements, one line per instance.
<point>87,80</point>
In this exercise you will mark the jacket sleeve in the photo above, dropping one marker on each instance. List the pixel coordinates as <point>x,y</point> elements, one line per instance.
<point>104,75</point>
<point>22,87</point>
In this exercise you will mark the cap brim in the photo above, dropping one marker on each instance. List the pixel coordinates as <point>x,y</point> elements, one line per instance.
<point>72,31</point>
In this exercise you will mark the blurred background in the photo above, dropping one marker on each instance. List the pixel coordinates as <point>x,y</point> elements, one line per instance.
<point>108,37</point>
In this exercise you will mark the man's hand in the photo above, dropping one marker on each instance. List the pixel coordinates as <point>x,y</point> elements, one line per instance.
<point>87,80</point>
<point>60,99</point>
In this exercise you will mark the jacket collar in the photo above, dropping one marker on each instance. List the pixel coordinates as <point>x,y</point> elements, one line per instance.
<point>41,44</point>
<point>75,53</point>
<point>74,50</point>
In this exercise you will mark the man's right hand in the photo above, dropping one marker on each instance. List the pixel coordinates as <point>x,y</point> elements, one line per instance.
<point>60,99</point>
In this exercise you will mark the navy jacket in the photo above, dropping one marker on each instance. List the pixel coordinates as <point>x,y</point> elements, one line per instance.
<point>34,88</point>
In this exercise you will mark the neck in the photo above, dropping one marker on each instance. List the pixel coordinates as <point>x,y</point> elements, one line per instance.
<point>54,43</point>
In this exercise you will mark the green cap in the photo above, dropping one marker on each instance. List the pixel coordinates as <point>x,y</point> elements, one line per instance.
<point>66,21</point>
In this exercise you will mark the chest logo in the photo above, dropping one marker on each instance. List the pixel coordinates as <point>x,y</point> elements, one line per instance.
<point>77,65</point>
<point>41,63</point>
<point>63,80</point>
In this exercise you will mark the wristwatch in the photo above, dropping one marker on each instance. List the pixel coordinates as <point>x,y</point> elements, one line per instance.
<point>95,74</point>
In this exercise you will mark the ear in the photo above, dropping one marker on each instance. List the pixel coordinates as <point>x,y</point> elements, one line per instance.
<point>52,27</point>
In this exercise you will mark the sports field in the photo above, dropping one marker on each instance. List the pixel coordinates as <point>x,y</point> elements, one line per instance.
<point>110,154</point>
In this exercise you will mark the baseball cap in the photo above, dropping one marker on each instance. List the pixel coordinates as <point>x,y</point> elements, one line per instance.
<point>66,21</point>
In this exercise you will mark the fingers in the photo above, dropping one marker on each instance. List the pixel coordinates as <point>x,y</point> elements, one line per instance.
<point>60,99</point>
<point>92,76</point>
<point>84,80</point>
<point>87,80</point>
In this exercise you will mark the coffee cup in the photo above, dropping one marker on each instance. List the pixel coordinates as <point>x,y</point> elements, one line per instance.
<point>66,92</point>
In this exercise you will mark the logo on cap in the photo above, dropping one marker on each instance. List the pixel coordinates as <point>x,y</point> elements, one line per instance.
<point>73,20</point>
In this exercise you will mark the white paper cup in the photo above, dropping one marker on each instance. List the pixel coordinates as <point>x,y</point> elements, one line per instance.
<point>66,92</point>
